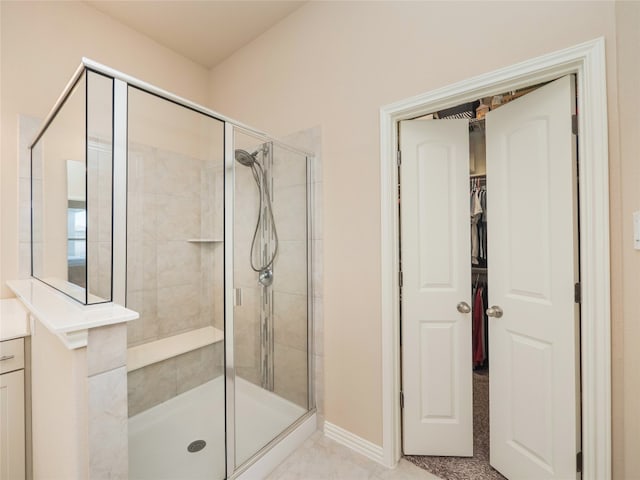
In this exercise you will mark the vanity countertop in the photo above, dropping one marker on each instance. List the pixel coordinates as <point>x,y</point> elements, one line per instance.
<point>14,319</point>
<point>65,317</point>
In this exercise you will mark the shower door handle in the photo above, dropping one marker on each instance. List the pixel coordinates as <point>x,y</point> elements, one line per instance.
<point>238,296</point>
<point>463,307</point>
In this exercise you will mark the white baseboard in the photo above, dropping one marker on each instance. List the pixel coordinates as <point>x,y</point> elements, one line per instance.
<point>354,442</point>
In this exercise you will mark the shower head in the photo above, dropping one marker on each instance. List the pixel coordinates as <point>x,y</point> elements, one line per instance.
<point>245,158</point>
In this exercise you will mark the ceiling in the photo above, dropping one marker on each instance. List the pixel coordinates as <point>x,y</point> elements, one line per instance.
<point>207,31</point>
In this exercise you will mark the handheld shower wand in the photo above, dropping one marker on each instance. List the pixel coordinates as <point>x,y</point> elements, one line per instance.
<point>264,269</point>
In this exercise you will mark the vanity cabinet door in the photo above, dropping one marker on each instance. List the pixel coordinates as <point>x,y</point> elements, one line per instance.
<point>11,355</point>
<point>12,442</point>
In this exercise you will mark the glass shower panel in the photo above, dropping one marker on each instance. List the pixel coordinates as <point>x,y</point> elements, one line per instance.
<point>99,205</point>
<point>270,281</point>
<point>59,202</point>
<point>290,285</point>
<point>72,193</point>
<point>175,281</point>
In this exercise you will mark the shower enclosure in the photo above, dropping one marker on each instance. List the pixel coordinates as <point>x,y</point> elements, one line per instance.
<point>203,226</point>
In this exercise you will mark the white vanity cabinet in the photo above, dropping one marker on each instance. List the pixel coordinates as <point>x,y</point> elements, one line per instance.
<point>12,410</point>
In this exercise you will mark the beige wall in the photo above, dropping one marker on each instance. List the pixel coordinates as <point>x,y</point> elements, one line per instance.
<point>335,64</point>
<point>625,199</point>
<point>42,44</point>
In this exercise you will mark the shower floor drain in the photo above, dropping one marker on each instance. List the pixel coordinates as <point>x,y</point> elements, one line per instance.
<point>196,446</point>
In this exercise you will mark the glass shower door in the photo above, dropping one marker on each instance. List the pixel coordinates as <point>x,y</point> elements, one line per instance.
<point>270,292</point>
<point>175,281</point>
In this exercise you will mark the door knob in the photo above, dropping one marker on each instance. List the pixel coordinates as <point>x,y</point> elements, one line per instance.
<point>494,311</point>
<point>463,307</point>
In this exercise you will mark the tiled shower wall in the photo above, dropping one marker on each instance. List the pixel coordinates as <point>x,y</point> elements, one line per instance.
<point>170,280</point>
<point>99,215</point>
<point>161,381</point>
<point>290,276</point>
<point>212,254</point>
<point>309,140</point>
<point>173,283</point>
<point>247,314</point>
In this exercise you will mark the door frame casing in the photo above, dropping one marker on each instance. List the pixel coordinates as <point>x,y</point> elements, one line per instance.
<point>587,62</point>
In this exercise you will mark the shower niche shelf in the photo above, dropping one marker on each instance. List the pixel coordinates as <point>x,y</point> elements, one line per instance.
<point>204,240</point>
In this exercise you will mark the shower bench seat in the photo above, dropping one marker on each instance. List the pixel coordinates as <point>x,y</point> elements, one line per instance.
<point>157,350</point>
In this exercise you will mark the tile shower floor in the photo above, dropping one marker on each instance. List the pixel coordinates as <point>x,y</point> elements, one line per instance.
<point>320,458</point>
<point>159,437</point>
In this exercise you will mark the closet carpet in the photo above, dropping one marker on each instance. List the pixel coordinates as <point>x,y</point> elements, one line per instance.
<point>466,468</point>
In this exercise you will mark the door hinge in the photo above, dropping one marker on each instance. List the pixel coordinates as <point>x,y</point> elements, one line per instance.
<point>400,278</point>
<point>574,124</point>
<point>579,462</point>
<point>577,293</point>
<point>401,399</point>
<point>398,158</point>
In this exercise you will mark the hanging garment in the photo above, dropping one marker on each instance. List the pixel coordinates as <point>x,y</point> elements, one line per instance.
<point>477,330</point>
<point>482,228</point>
<point>476,213</point>
<point>478,222</point>
<point>485,325</point>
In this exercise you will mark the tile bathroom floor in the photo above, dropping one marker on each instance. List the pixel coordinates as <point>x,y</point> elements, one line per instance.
<point>320,458</point>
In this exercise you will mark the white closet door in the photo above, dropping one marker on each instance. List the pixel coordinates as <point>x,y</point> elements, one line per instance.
<point>533,265</point>
<point>436,337</point>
